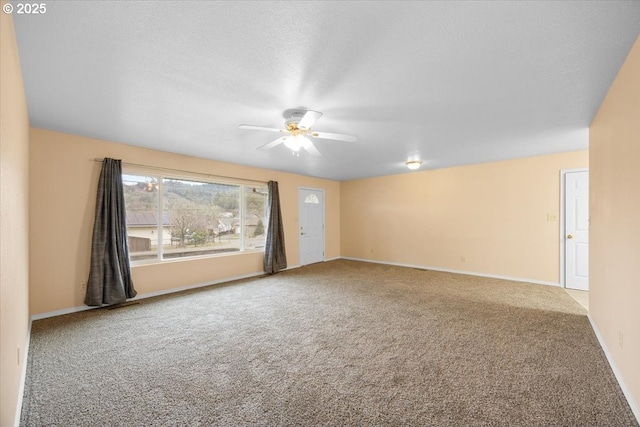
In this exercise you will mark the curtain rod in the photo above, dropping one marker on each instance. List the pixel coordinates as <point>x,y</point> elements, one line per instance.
<point>97,159</point>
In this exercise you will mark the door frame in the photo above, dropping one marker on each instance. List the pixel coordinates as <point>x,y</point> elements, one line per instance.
<point>563,178</point>
<point>324,232</point>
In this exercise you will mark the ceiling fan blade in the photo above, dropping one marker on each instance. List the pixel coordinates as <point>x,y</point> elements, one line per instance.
<point>252,127</point>
<point>309,119</point>
<point>336,136</point>
<point>272,143</point>
<point>311,149</point>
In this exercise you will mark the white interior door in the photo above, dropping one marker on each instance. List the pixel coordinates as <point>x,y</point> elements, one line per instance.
<point>311,225</point>
<point>576,230</point>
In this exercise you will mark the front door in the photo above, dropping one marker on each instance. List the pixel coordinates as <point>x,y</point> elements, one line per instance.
<point>311,225</point>
<point>576,230</point>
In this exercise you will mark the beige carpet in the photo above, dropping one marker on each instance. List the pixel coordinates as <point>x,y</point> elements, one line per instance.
<point>335,344</point>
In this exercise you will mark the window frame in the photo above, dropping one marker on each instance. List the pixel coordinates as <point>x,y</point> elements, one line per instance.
<point>160,174</point>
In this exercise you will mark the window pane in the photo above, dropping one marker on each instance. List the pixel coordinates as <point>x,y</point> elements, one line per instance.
<point>141,204</point>
<point>204,218</point>
<point>312,198</point>
<point>255,217</point>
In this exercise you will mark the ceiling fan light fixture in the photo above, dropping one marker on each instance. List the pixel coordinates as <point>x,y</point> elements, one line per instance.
<point>295,142</point>
<point>413,164</point>
<point>297,128</point>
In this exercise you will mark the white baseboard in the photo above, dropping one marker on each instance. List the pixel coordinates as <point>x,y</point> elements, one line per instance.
<point>635,408</point>
<point>61,312</point>
<point>147,295</point>
<point>80,308</point>
<point>446,270</point>
<point>195,286</point>
<point>23,376</point>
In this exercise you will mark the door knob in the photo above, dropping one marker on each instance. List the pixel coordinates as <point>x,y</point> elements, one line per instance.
<point>569,236</point>
<point>302,233</point>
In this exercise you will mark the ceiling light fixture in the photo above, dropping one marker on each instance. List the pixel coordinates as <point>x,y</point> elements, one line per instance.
<point>413,164</point>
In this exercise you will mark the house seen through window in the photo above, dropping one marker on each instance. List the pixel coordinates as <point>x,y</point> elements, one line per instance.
<point>170,218</point>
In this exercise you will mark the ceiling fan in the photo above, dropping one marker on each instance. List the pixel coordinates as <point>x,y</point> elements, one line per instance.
<point>297,129</point>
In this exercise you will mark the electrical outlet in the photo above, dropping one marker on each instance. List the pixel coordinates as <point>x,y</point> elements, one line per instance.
<point>552,217</point>
<point>372,251</point>
<point>83,286</point>
<point>620,339</point>
<point>463,259</point>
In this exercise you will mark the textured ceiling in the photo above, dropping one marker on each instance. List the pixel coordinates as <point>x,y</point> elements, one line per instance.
<point>451,82</point>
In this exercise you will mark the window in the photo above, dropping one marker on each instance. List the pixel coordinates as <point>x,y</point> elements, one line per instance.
<point>170,217</point>
<point>141,203</point>
<point>311,199</point>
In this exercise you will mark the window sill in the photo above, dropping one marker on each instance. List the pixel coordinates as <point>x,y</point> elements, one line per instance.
<point>156,261</point>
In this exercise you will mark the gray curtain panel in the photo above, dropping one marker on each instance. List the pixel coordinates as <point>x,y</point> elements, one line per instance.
<point>110,275</point>
<point>275,257</point>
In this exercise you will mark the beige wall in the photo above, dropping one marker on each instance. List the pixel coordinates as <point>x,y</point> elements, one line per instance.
<point>492,214</point>
<point>614,297</point>
<point>14,214</point>
<point>64,180</point>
